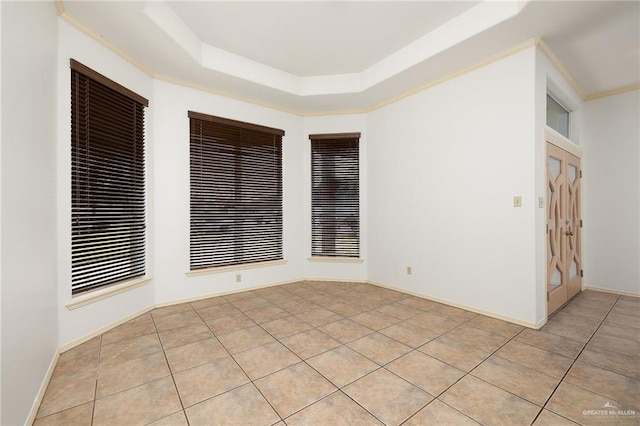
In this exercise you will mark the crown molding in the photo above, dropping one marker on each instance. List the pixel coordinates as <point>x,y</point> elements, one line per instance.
<point>536,42</point>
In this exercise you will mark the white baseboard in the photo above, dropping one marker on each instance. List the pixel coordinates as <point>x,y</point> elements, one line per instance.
<point>43,388</point>
<point>102,330</point>
<point>462,306</point>
<point>224,293</point>
<point>612,291</point>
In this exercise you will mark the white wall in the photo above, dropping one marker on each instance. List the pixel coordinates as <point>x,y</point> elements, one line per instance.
<point>171,198</point>
<point>80,322</point>
<point>335,270</point>
<point>29,319</point>
<point>444,165</point>
<point>611,137</point>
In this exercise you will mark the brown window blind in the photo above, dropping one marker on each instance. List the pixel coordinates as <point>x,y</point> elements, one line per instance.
<point>107,181</point>
<point>335,195</point>
<point>236,192</point>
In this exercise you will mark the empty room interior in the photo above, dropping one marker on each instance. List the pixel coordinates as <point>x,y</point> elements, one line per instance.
<point>319,213</point>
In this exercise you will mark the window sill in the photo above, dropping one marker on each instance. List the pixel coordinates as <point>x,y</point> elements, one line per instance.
<point>219,269</point>
<point>336,259</point>
<point>103,293</point>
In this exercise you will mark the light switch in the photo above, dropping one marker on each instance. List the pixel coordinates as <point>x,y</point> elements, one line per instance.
<point>517,201</point>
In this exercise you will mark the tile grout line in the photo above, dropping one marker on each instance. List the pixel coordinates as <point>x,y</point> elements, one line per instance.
<point>175,386</point>
<point>574,361</point>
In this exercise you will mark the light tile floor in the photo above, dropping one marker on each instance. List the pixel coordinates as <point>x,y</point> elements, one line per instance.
<point>320,353</point>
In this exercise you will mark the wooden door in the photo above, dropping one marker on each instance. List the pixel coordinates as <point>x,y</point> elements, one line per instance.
<point>564,227</point>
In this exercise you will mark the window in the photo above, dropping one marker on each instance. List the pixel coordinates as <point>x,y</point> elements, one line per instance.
<point>107,181</point>
<point>236,192</point>
<point>557,117</point>
<point>335,200</point>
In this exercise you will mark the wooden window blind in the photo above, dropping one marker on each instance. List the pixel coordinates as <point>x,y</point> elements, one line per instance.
<point>335,195</point>
<point>236,192</point>
<point>107,181</point>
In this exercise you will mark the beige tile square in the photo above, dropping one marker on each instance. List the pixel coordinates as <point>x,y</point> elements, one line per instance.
<point>604,382</point>
<point>627,310</point>
<point>391,399</point>
<point>175,419</point>
<point>139,405</point>
<point>170,310</point>
<point>265,359</point>
<point>409,334</point>
<point>590,323</point>
<point>294,388</point>
<point>570,331</point>
<point>433,322</point>
<point>583,406</point>
<point>399,311</point>
<point>124,350</point>
<point>623,320</point>
<point>319,316</point>
<point>132,328</point>
<point>194,354</point>
<point>347,309</point>
<point>239,295</point>
<point>218,311</point>
<point>477,338</point>
<point>78,361</point>
<point>299,306</point>
<point>379,348</point>
<point>116,377</point>
<point>243,406</point>
<point>375,320</point>
<point>176,320</point>
<point>211,301</point>
<point>456,314</point>
<point>244,339</point>
<point>439,413</point>
<point>549,363</point>
<point>613,361</point>
<point>250,303</point>
<point>488,404</point>
<point>208,380</point>
<point>429,374</point>
<point>549,418</point>
<point>522,381</point>
<point>336,410</point>
<point>285,327</point>
<point>342,365</point>
<point>495,326</point>
<point>612,329</point>
<point>77,416</point>
<point>230,323</point>
<point>345,330</point>
<point>68,391</point>
<point>455,352</point>
<point>184,335</point>
<point>419,303</point>
<point>604,342</point>
<point>266,314</point>
<point>310,343</point>
<point>550,342</point>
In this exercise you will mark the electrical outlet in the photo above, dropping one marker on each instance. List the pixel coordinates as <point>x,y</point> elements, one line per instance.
<point>409,270</point>
<point>517,201</point>
<point>238,278</point>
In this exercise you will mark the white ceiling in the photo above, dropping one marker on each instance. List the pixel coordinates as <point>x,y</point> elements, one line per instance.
<point>313,57</point>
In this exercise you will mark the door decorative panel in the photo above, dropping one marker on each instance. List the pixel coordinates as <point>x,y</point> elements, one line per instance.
<point>564,233</point>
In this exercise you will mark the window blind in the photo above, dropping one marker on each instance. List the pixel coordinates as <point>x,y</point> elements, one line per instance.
<point>335,195</point>
<point>236,192</point>
<point>107,181</point>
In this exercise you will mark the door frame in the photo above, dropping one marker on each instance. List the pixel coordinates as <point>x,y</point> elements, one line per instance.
<point>553,137</point>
